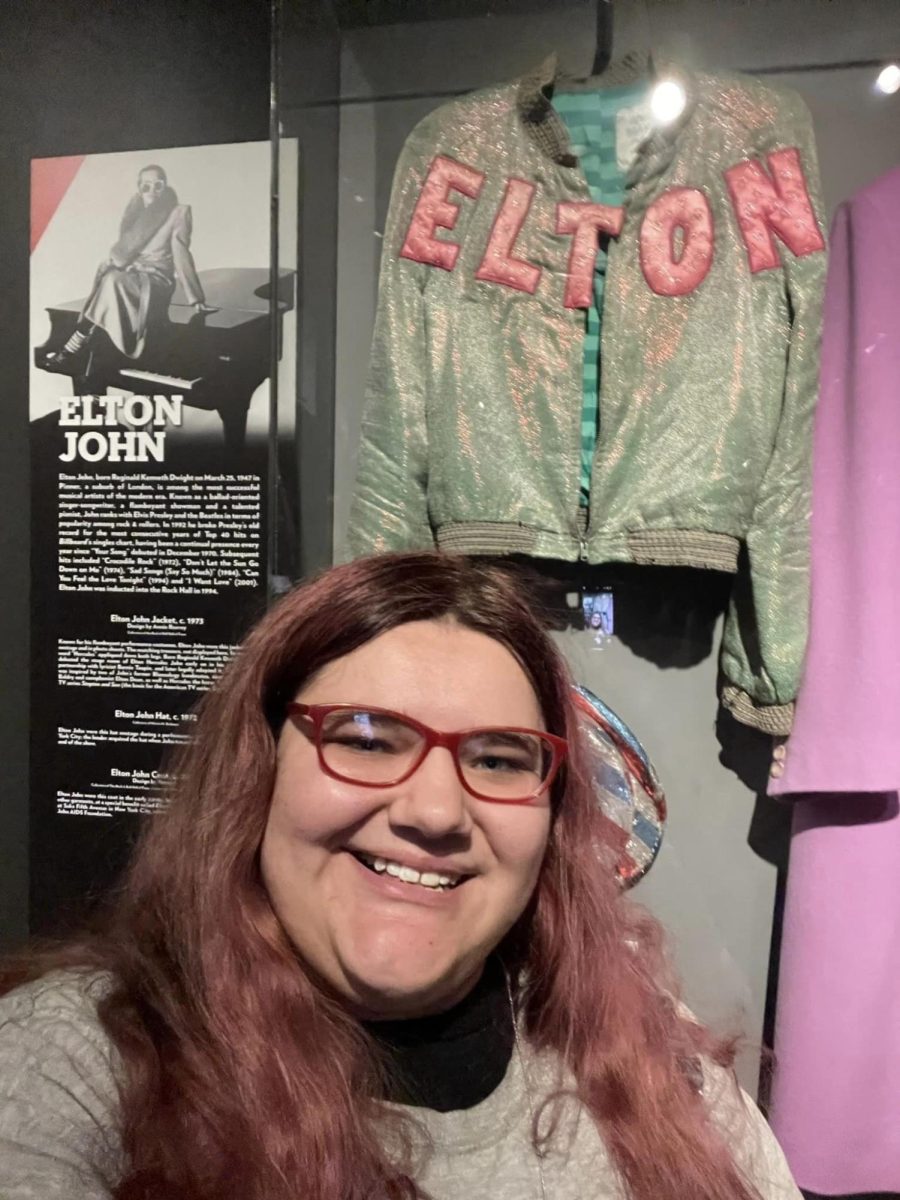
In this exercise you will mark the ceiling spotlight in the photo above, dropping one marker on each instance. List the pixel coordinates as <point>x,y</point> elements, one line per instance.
<point>667,101</point>
<point>889,79</point>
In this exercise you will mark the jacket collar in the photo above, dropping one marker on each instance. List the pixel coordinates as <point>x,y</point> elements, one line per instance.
<point>547,130</point>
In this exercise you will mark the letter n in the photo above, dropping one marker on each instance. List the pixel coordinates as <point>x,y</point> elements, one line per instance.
<point>434,210</point>
<point>776,203</point>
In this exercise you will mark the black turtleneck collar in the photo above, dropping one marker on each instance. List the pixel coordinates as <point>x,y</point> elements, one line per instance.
<point>454,1059</point>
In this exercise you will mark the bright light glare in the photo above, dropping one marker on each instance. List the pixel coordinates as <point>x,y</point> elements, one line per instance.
<point>889,80</point>
<point>667,101</point>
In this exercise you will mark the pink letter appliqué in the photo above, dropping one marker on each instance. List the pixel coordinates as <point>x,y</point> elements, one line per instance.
<point>779,204</point>
<point>499,264</point>
<point>668,271</point>
<point>435,211</point>
<point>585,221</point>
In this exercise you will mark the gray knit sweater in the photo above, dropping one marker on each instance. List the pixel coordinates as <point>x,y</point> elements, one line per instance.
<point>58,1118</point>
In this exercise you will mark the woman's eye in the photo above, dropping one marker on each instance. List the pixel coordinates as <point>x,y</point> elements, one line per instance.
<point>364,744</point>
<point>506,755</point>
<point>498,762</point>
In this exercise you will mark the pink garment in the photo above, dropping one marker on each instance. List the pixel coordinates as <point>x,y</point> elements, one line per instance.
<point>846,735</point>
<point>836,1099</point>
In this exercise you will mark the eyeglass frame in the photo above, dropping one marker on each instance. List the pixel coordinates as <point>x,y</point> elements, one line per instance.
<point>431,738</point>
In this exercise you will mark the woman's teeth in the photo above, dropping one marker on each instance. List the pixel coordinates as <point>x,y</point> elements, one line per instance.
<point>429,879</point>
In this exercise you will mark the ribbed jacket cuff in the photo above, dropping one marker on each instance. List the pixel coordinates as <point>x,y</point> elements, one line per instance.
<point>775,719</point>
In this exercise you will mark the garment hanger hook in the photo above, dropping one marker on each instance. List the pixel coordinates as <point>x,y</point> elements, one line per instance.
<point>604,42</point>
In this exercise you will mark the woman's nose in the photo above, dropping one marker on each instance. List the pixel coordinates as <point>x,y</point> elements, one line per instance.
<point>433,800</point>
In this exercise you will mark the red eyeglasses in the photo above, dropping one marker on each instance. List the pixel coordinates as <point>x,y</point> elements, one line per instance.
<point>376,747</point>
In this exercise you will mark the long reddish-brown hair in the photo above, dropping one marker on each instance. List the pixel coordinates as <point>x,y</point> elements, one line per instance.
<point>241,1078</point>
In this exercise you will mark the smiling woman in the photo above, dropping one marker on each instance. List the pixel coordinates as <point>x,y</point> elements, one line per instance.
<point>387,943</point>
<point>374,947</point>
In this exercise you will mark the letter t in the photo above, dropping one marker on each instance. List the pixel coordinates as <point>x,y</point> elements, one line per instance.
<point>585,221</point>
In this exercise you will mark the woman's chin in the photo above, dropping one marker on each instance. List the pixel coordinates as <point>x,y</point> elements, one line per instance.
<point>405,989</point>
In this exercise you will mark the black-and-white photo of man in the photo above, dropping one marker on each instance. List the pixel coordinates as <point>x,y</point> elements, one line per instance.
<point>136,291</point>
<point>134,285</point>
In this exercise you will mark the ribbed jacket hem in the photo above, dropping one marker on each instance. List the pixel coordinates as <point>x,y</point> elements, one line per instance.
<point>663,547</point>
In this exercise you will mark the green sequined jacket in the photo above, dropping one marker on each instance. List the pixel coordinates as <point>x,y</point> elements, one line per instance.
<point>709,349</point>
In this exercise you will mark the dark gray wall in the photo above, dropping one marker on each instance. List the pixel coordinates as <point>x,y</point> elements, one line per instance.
<point>715,884</point>
<point>309,81</point>
<point>78,78</point>
<point>103,76</point>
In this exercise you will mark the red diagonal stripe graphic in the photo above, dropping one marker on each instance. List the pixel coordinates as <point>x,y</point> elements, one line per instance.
<point>50,179</point>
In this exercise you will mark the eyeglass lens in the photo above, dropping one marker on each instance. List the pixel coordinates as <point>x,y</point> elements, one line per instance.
<point>156,185</point>
<point>380,748</point>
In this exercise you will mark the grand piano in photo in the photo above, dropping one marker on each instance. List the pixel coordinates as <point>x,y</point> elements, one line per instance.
<point>214,360</point>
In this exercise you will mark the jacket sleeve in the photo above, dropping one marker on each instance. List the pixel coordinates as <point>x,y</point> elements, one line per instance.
<point>766,624</point>
<point>389,510</point>
<point>184,260</point>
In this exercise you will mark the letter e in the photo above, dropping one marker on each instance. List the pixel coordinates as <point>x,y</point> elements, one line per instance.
<point>69,407</point>
<point>435,211</point>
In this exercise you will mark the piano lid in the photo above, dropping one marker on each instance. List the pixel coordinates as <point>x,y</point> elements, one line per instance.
<point>245,288</point>
<point>240,295</point>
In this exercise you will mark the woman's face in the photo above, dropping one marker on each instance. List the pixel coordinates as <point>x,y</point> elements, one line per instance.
<point>397,949</point>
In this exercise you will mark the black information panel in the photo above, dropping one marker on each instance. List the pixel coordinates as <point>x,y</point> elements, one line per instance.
<point>151,318</point>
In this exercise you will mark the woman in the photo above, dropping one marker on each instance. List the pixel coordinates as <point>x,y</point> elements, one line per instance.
<point>133,287</point>
<point>374,947</point>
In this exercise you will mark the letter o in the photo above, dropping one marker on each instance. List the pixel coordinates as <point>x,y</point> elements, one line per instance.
<point>93,446</point>
<point>669,274</point>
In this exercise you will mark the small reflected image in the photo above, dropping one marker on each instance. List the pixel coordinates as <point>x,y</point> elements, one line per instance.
<point>598,615</point>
